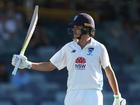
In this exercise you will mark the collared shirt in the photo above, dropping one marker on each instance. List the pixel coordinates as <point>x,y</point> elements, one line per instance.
<point>84,65</point>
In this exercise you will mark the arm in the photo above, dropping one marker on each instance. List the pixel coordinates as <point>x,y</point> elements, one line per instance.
<point>118,100</point>
<point>43,66</point>
<point>105,62</point>
<point>112,80</point>
<point>58,60</point>
<point>40,66</point>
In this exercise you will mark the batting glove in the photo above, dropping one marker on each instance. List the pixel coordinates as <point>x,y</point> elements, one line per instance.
<point>24,63</point>
<point>118,100</point>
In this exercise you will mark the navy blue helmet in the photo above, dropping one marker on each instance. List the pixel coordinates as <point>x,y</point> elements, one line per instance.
<point>85,20</point>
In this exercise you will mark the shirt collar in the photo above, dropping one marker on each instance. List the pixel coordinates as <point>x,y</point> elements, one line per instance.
<point>92,43</point>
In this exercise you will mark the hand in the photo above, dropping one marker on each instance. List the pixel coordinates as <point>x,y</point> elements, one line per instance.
<point>24,62</point>
<point>118,100</point>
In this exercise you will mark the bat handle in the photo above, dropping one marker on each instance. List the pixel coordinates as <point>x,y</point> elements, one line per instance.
<point>16,67</point>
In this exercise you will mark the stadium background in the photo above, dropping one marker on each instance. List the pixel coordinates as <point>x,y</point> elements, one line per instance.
<point>117,26</point>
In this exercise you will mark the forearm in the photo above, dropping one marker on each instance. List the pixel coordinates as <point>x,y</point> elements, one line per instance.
<point>114,84</point>
<point>43,66</point>
<point>112,80</point>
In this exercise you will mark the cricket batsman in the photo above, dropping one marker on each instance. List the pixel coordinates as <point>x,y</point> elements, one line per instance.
<point>84,58</point>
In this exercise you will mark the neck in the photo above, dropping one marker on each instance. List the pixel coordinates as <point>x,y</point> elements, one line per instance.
<point>83,41</point>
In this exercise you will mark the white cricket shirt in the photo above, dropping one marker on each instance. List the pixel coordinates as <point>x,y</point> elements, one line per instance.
<point>83,65</point>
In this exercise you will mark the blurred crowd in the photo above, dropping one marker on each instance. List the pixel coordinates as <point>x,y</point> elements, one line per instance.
<point>117,26</point>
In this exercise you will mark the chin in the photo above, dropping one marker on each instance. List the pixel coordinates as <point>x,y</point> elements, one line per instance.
<point>76,36</point>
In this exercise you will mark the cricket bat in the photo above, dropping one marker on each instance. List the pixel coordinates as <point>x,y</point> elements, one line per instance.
<point>28,36</point>
<point>123,102</point>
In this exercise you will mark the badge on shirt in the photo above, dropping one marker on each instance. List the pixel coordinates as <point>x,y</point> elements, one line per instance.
<point>73,51</point>
<point>80,63</point>
<point>90,51</point>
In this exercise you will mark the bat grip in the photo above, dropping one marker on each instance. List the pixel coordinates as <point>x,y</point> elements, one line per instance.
<point>16,67</point>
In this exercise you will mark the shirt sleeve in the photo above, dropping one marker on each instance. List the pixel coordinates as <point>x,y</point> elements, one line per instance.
<point>104,57</point>
<point>59,59</point>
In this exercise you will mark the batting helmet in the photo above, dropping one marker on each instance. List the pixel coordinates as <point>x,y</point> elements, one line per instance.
<point>85,20</point>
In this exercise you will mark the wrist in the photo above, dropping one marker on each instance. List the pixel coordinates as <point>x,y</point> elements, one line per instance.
<point>117,96</point>
<point>29,66</point>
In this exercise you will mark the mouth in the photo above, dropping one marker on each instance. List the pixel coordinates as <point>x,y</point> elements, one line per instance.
<point>76,35</point>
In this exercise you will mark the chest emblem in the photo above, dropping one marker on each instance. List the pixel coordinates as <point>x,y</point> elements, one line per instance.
<point>90,51</point>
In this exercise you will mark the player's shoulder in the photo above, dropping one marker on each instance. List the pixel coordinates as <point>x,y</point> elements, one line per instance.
<point>69,44</point>
<point>99,44</point>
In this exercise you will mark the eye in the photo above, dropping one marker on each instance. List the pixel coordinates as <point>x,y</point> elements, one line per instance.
<point>77,27</point>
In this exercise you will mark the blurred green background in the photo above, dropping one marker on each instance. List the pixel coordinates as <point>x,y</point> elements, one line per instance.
<point>117,26</point>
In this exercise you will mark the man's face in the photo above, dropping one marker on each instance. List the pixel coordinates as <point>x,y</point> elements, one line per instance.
<point>76,31</point>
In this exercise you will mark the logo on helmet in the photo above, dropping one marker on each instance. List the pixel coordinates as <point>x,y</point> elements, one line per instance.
<point>75,17</point>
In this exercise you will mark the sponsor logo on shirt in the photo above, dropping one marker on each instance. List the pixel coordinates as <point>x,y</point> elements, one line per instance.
<point>80,63</point>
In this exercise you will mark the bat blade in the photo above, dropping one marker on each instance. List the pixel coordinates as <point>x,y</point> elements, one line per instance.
<point>30,30</point>
<point>28,36</point>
